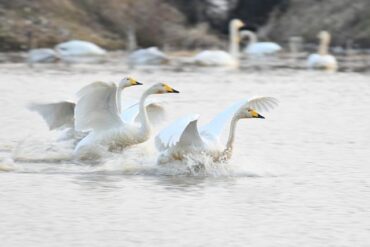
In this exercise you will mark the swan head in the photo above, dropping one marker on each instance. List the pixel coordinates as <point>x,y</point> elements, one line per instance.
<point>249,113</point>
<point>324,36</point>
<point>237,23</point>
<point>128,82</point>
<point>161,88</point>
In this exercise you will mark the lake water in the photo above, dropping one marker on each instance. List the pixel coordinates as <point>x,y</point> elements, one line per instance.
<point>298,178</point>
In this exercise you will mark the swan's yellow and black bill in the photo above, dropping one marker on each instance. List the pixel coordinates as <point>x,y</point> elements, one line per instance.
<point>256,114</point>
<point>134,82</point>
<point>170,89</point>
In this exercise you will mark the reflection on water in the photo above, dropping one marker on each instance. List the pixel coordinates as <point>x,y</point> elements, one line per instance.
<point>297,178</point>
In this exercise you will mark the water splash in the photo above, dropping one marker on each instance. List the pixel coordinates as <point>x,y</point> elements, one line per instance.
<point>53,156</point>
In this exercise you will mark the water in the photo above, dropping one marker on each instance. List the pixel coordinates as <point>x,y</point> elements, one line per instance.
<point>298,178</point>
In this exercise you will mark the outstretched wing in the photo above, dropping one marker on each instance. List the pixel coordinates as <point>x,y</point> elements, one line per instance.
<point>215,128</point>
<point>96,108</point>
<point>262,103</point>
<point>56,115</point>
<point>156,112</point>
<point>182,132</point>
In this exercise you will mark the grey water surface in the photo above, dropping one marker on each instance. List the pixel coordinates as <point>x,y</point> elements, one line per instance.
<point>301,177</point>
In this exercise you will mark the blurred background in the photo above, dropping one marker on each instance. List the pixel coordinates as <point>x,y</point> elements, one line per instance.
<point>179,24</point>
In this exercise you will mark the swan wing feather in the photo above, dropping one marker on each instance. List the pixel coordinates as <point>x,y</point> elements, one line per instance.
<point>182,132</point>
<point>56,115</point>
<point>215,128</point>
<point>97,108</point>
<point>262,104</point>
<point>155,110</point>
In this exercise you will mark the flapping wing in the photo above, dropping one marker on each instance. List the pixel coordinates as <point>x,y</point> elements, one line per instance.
<point>156,112</point>
<point>182,132</point>
<point>56,115</point>
<point>215,128</point>
<point>262,103</point>
<point>96,107</point>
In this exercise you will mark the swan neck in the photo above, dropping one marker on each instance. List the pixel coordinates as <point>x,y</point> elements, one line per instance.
<point>145,125</point>
<point>252,37</point>
<point>230,141</point>
<point>234,40</point>
<point>118,99</point>
<point>324,45</point>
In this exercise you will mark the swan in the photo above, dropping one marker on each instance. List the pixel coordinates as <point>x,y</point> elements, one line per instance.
<point>147,56</point>
<point>223,58</point>
<point>98,112</point>
<point>66,51</point>
<point>183,137</point>
<point>323,60</point>
<point>79,48</point>
<point>259,49</point>
<point>79,51</point>
<point>61,115</point>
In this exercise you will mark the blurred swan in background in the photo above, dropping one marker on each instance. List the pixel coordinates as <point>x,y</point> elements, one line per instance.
<point>220,57</point>
<point>147,56</point>
<point>323,60</point>
<point>259,49</point>
<point>79,48</point>
<point>61,115</point>
<point>98,112</point>
<point>183,137</point>
<point>70,51</point>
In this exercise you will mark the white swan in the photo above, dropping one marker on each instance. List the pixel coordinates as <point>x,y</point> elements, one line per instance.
<point>71,51</point>
<point>97,111</point>
<point>61,115</point>
<point>147,56</point>
<point>183,137</point>
<point>259,49</point>
<point>323,60</point>
<point>79,48</point>
<point>223,58</point>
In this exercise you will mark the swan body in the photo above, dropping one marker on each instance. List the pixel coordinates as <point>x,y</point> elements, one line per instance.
<point>214,58</point>
<point>223,58</point>
<point>262,49</point>
<point>98,112</point>
<point>147,56</point>
<point>42,55</point>
<point>79,48</point>
<point>255,48</point>
<point>323,60</point>
<point>184,137</point>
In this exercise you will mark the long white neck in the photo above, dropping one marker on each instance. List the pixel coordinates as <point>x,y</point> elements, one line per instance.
<point>145,125</point>
<point>324,45</point>
<point>230,141</point>
<point>234,40</point>
<point>118,99</point>
<point>252,37</point>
